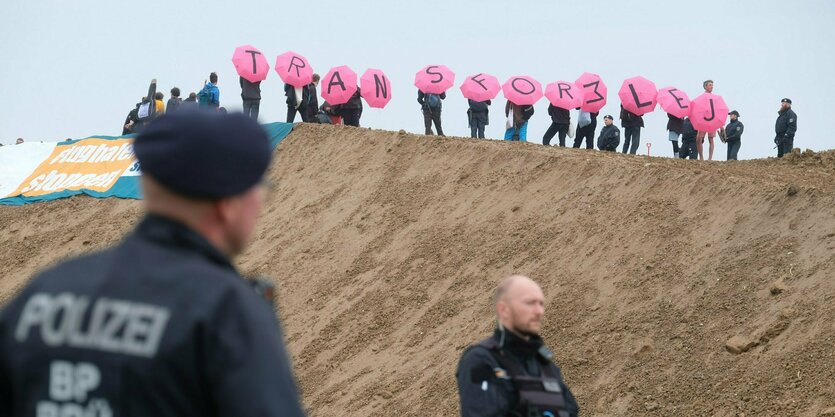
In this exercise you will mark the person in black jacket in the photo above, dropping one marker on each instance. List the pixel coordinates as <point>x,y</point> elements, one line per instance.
<point>609,136</point>
<point>431,106</point>
<point>491,374</point>
<point>479,117</point>
<point>161,324</point>
<point>175,100</point>
<point>631,124</point>
<point>312,105</point>
<point>560,120</point>
<point>297,98</point>
<point>674,126</point>
<point>352,110</point>
<point>586,131</point>
<point>785,128</point>
<point>733,135</point>
<point>688,141</point>
<point>251,97</point>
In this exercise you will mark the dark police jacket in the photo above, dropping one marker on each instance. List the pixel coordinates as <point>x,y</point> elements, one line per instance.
<point>609,138</point>
<point>688,132</point>
<point>485,386</point>
<point>786,124</point>
<point>734,130</point>
<point>161,325</point>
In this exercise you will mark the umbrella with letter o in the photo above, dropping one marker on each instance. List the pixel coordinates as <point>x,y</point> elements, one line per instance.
<point>564,95</point>
<point>594,92</point>
<point>674,101</point>
<point>522,90</point>
<point>638,95</point>
<point>375,88</point>
<point>434,79</point>
<point>250,63</point>
<point>480,87</point>
<point>339,85</point>
<point>708,112</point>
<point>294,69</point>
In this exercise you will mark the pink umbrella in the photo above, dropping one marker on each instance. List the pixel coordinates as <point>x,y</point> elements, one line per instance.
<point>674,101</point>
<point>594,97</point>
<point>294,69</point>
<point>708,112</point>
<point>480,87</point>
<point>638,95</point>
<point>375,88</point>
<point>339,85</point>
<point>250,63</point>
<point>434,79</point>
<point>522,90</point>
<point>564,95</point>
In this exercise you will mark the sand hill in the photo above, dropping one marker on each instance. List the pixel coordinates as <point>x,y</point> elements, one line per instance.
<point>675,288</point>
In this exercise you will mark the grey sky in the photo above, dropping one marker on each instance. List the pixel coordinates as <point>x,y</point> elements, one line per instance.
<point>75,69</point>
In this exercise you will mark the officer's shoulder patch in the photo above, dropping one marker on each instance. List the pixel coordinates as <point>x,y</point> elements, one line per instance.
<point>791,120</point>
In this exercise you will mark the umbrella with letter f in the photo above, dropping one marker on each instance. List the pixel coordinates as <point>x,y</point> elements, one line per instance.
<point>480,87</point>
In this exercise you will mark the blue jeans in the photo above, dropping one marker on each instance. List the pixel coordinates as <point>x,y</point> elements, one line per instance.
<point>733,148</point>
<point>633,135</point>
<point>523,133</point>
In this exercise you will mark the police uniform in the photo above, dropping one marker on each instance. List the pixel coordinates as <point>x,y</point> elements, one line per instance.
<point>505,375</point>
<point>162,324</point>
<point>785,127</point>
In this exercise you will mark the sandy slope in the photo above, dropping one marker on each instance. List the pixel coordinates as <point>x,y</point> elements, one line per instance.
<point>385,247</point>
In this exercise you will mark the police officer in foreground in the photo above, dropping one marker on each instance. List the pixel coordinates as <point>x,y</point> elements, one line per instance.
<point>785,128</point>
<point>609,138</point>
<point>512,373</point>
<point>161,324</point>
<point>732,134</point>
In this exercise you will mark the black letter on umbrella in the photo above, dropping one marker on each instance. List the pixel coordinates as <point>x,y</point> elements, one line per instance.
<point>677,98</point>
<point>440,76</point>
<point>566,89</point>
<point>599,97</point>
<point>530,84</point>
<point>637,100</point>
<point>331,83</point>
<point>712,112</point>
<point>479,82</point>
<point>298,63</point>
<point>381,86</point>
<point>253,53</point>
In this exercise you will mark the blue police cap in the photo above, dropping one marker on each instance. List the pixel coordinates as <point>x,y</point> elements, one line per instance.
<point>204,155</point>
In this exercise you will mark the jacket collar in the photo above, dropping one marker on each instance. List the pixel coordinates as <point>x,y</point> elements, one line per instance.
<point>511,342</point>
<point>171,233</point>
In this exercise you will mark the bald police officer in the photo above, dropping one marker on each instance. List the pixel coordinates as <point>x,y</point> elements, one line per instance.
<point>512,373</point>
<point>161,324</point>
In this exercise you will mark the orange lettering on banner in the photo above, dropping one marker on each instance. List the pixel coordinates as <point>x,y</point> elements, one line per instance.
<point>92,164</point>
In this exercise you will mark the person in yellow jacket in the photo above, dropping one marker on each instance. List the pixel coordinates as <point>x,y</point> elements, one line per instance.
<point>160,106</point>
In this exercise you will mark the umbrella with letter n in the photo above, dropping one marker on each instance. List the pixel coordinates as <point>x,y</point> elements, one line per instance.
<point>375,88</point>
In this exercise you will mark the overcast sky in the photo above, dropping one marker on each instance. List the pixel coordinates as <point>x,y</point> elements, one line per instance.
<point>75,69</point>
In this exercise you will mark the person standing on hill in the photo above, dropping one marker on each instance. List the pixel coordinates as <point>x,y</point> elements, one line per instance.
<point>560,121</point>
<point>688,141</point>
<point>674,126</point>
<point>479,117</point>
<point>631,124</point>
<point>609,136</point>
<point>173,102</point>
<point>160,105</point>
<point>512,373</point>
<point>431,106</point>
<point>190,102</point>
<point>251,97</point>
<point>352,110</point>
<point>700,138</point>
<point>733,135</point>
<point>161,324</point>
<point>517,121</point>
<point>312,105</point>
<point>296,100</point>
<point>785,127</point>
<point>586,125</point>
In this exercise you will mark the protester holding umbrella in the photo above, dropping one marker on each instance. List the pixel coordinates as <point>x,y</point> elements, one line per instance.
<point>309,113</point>
<point>700,137</point>
<point>352,110</point>
<point>432,82</point>
<point>560,121</point>
<point>479,117</point>
<point>674,125</point>
<point>517,121</point>
<point>631,124</point>
<point>431,105</point>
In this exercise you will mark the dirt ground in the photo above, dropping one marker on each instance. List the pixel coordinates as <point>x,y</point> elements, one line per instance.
<point>674,288</point>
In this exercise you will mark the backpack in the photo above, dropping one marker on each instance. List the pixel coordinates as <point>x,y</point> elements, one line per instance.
<point>204,97</point>
<point>433,101</point>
